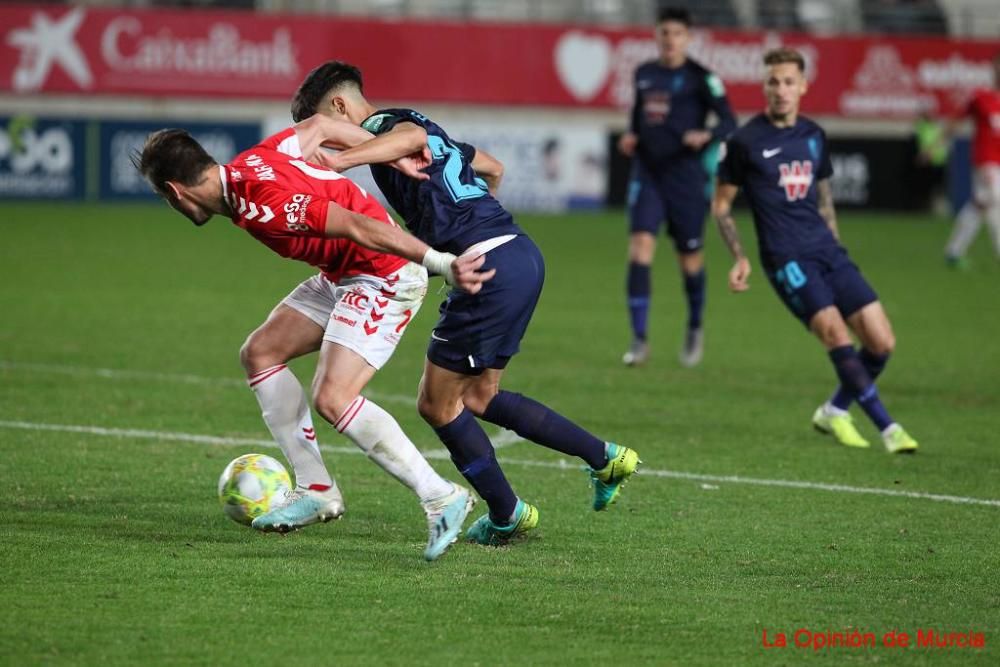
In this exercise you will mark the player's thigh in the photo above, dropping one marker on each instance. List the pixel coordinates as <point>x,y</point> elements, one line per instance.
<point>852,293</point>
<point>872,327</point>
<point>646,211</point>
<point>371,313</point>
<point>986,186</point>
<point>686,223</point>
<point>801,286</point>
<point>830,328</point>
<point>293,329</point>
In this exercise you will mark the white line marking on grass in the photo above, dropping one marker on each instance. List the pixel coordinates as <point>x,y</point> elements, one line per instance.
<point>501,440</point>
<point>442,454</point>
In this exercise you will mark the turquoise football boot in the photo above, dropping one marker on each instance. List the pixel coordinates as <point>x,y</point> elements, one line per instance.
<point>484,531</point>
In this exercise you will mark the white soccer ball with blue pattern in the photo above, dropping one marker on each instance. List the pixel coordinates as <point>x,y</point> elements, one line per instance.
<point>252,485</point>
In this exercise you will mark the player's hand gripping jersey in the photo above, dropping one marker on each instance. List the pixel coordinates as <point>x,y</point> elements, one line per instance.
<point>453,210</point>
<point>778,169</point>
<point>282,201</point>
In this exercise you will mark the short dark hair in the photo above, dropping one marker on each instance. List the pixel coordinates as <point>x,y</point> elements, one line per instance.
<point>678,14</point>
<point>783,55</point>
<point>319,82</point>
<point>172,155</point>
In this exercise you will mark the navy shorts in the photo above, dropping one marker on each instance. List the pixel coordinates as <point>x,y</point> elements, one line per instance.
<point>818,279</point>
<point>484,330</point>
<point>675,198</point>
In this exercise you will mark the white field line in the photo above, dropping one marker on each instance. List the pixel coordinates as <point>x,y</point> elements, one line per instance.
<point>562,464</point>
<point>503,438</point>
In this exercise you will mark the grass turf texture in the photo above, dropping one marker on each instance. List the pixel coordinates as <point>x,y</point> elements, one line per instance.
<point>116,551</point>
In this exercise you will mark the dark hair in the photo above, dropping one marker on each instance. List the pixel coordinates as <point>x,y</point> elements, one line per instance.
<point>785,55</point>
<point>678,14</point>
<point>172,155</point>
<point>319,82</point>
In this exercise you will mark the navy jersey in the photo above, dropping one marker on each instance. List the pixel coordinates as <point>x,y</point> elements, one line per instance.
<point>778,169</point>
<point>668,103</point>
<point>451,211</point>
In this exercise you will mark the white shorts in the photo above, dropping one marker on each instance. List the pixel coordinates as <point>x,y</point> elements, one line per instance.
<point>986,185</point>
<point>365,314</point>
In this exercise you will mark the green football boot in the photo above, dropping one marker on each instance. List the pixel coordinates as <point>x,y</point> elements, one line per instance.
<point>841,427</point>
<point>608,481</point>
<point>898,441</point>
<point>484,531</point>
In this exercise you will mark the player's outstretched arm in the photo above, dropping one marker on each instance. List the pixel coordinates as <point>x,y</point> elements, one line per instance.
<point>489,168</point>
<point>462,272</point>
<point>319,130</point>
<point>722,210</point>
<point>824,192</point>
<point>401,141</point>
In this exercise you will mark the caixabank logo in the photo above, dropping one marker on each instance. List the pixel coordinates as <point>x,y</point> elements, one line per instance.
<point>41,158</point>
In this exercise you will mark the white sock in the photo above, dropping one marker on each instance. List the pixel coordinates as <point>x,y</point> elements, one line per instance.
<point>379,436</point>
<point>832,410</point>
<point>888,430</point>
<point>966,226</point>
<point>993,221</point>
<point>286,413</point>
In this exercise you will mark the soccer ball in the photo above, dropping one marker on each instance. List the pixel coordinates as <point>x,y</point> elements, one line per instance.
<point>252,485</point>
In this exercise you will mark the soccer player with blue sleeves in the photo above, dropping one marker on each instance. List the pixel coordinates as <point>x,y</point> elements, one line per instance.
<point>667,139</point>
<point>782,161</point>
<point>452,207</point>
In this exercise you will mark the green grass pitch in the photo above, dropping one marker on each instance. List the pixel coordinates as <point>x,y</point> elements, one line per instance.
<point>116,551</point>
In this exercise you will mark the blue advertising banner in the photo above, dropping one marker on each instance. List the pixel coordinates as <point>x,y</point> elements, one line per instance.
<point>42,158</point>
<point>119,139</point>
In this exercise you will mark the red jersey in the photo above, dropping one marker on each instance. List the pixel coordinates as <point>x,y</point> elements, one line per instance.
<point>985,111</point>
<point>282,200</point>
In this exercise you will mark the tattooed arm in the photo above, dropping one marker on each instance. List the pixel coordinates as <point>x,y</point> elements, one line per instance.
<point>722,210</point>
<point>825,205</point>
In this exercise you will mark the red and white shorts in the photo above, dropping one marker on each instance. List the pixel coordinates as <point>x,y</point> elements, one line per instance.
<point>365,314</point>
<point>986,185</point>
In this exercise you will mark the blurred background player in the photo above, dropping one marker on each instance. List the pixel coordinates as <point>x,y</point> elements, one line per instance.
<point>782,161</point>
<point>354,312</point>
<point>666,138</point>
<point>984,109</point>
<point>931,146</point>
<point>477,334</point>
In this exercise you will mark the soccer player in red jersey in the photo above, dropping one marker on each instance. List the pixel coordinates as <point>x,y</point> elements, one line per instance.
<point>354,311</point>
<point>984,109</point>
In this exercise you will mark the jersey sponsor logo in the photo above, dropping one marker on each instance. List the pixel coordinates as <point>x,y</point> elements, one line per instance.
<point>656,106</point>
<point>769,153</point>
<point>345,320</point>
<point>356,300</point>
<point>796,178</point>
<point>49,42</point>
<point>295,212</point>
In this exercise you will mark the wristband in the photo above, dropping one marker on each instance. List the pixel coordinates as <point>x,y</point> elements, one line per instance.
<point>439,263</point>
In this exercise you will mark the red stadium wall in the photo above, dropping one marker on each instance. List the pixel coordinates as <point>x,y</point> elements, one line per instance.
<point>262,56</point>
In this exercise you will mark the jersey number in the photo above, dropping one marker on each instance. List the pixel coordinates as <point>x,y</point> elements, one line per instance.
<point>452,172</point>
<point>791,277</point>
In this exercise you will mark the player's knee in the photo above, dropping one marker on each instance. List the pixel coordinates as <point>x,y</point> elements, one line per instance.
<point>884,345</point>
<point>330,402</point>
<point>256,355</point>
<point>477,398</point>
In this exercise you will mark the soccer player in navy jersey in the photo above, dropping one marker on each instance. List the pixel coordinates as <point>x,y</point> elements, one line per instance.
<point>666,140</point>
<point>453,208</point>
<point>782,161</point>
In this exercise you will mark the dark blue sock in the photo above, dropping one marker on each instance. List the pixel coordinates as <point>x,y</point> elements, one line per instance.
<point>874,364</point>
<point>533,421</point>
<point>855,378</point>
<point>639,288</point>
<point>694,288</point>
<point>474,456</point>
